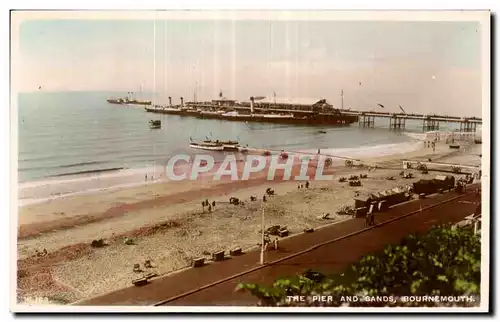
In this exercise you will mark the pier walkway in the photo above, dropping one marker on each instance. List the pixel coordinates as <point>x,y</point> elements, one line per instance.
<point>397,121</point>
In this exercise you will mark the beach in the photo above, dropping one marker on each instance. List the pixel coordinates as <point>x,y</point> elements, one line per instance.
<point>169,227</point>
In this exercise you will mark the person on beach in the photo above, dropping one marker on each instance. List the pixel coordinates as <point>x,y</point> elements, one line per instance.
<point>209,208</point>
<point>146,177</point>
<point>307,184</point>
<point>213,204</point>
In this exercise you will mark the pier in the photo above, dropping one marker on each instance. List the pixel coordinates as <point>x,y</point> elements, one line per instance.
<point>318,113</point>
<point>397,121</point>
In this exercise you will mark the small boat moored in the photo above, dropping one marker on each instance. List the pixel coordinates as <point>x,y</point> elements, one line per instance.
<point>227,145</point>
<point>155,124</point>
<point>207,146</point>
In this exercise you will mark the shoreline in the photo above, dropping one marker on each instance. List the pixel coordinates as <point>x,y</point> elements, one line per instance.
<point>149,193</point>
<point>159,225</point>
<point>48,189</point>
<point>45,189</point>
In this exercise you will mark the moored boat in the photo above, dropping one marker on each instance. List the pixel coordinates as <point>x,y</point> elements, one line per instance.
<point>128,101</point>
<point>227,145</point>
<point>155,124</point>
<point>318,113</point>
<point>207,146</point>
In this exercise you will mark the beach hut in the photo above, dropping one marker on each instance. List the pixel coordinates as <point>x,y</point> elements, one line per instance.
<point>396,196</point>
<point>424,186</point>
<point>364,200</point>
<point>445,182</point>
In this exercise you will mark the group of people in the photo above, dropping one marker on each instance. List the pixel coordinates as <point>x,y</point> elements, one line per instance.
<point>207,203</point>
<point>42,253</point>
<point>268,241</point>
<point>301,186</point>
<point>431,144</point>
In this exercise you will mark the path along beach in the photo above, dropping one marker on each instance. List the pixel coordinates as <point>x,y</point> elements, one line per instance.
<point>168,226</point>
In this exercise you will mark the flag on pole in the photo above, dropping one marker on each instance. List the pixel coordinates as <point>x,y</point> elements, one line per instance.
<point>382,106</point>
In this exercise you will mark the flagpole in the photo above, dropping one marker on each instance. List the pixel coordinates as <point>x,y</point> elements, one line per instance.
<point>342,99</point>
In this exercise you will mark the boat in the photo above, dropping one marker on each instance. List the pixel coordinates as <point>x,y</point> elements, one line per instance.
<point>227,145</point>
<point>128,100</point>
<point>120,101</point>
<point>210,114</point>
<point>155,124</point>
<point>207,146</point>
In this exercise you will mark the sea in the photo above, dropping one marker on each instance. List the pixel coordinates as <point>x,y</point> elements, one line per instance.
<point>75,142</point>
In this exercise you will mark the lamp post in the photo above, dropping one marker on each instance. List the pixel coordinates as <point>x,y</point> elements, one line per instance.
<point>262,241</point>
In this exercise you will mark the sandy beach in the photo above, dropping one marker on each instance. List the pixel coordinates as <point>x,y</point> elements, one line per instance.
<point>167,223</point>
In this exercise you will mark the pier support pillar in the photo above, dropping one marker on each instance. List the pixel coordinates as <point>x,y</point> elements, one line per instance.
<point>430,124</point>
<point>466,126</point>
<point>366,120</point>
<point>468,129</point>
<point>397,123</point>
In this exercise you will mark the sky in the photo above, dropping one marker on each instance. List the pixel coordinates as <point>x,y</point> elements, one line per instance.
<point>423,66</point>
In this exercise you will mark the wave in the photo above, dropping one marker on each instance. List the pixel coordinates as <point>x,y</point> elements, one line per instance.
<point>30,201</point>
<point>80,164</point>
<point>108,179</point>
<point>88,171</point>
<point>442,134</point>
<point>369,151</point>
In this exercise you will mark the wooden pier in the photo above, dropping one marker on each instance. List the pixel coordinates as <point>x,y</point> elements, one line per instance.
<point>397,121</point>
<point>313,114</point>
<point>366,120</point>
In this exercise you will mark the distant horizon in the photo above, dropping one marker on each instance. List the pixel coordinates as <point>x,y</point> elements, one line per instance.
<point>190,99</point>
<point>425,66</point>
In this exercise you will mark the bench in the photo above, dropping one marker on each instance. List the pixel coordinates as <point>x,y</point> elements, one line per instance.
<point>218,256</point>
<point>150,275</point>
<point>198,262</point>
<point>140,281</point>
<point>236,251</point>
<point>283,232</point>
